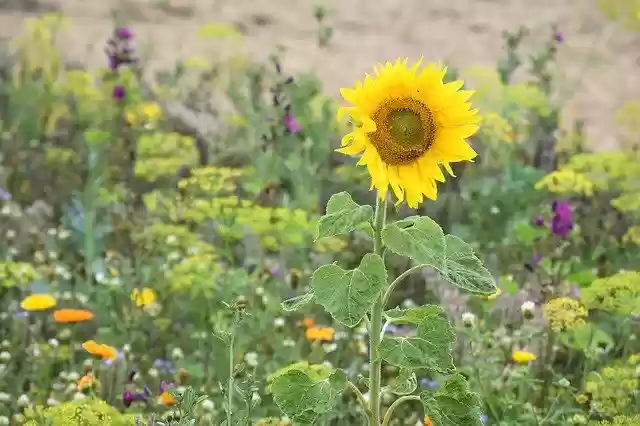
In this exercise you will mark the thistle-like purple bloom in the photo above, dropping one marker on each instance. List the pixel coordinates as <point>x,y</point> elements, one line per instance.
<point>562,221</point>
<point>558,37</point>
<point>291,123</point>
<point>124,33</point>
<point>119,93</point>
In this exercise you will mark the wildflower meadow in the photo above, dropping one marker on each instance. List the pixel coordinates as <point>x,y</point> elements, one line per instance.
<point>227,243</point>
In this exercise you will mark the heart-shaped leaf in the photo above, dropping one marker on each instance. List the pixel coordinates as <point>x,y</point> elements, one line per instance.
<point>349,294</point>
<point>343,216</point>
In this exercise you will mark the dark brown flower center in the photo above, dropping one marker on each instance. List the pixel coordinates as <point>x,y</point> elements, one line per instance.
<point>405,130</point>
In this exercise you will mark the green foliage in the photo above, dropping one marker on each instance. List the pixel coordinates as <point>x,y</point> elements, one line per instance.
<point>349,295</point>
<point>429,349</point>
<point>619,293</point>
<point>424,241</point>
<point>343,216</point>
<point>453,405</point>
<point>304,397</point>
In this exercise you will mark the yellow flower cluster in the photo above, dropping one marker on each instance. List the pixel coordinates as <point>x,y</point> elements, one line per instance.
<point>619,293</point>
<point>88,411</point>
<point>632,420</point>
<point>162,154</point>
<point>16,273</point>
<point>144,113</point>
<point>194,273</point>
<point>612,388</point>
<point>497,128</point>
<point>633,235</point>
<point>564,314</point>
<point>210,181</point>
<point>566,182</point>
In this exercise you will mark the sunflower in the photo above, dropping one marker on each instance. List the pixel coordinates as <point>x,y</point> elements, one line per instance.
<point>408,123</point>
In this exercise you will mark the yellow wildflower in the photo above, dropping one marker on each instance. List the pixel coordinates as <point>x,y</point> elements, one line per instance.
<point>38,302</point>
<point>523,357</point>
<point>143,297</point>
<point>497,293</point>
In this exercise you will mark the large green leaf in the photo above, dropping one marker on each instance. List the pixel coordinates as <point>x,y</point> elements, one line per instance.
<point>452,404</point>
<point>303,398</point>
<point>297,302</point>
<point>405,383</point>
<point>425,242</point>
<point>429,349</point>
<point>343,216</point>
<point>348,294</point>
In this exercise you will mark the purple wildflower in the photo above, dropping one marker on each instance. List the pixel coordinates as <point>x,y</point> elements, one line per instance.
<point>537,257</point>
<point>483,418</point>
<point>118,93</point>
<point>4,195</point>
<point>538,220</point>
<point>275,271</point>
<point>562,221</point>
<point>129,397</point>
<point>291,123</point>
<point>124,33</point>
<point>164,386</point>
<point>558,37</point>
<point>164,366</point>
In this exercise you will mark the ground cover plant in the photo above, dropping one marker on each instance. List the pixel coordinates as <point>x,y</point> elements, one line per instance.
<point>226,244</point>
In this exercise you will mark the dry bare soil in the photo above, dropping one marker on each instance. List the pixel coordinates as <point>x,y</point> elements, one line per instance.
<point>604,57</point>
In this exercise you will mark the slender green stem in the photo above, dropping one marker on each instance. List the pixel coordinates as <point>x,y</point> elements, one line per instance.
<point>375,326</point>
<point>232,341</point>
<point>398,280</point>
<point>363,402</point>
<point>396,403</point>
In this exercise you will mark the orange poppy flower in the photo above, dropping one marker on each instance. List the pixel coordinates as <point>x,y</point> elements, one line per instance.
<point>102,351</point>
<point>167,399</point>
<point>319,334</point>
<point>427,421</point>
<point>72,315</point>
<point>85,381</point>
<point>308,322</point>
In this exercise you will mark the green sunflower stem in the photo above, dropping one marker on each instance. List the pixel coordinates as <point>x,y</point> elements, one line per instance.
<point>375,326</point>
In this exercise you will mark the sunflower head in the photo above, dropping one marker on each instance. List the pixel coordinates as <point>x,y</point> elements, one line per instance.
<point>408,123</point>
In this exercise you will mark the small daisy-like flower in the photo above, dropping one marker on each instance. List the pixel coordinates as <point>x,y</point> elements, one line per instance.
<point>528,309</point>
<point>409,124</point>
<point>251,358</point>
<point>523,357</point>
<point>38,302</point>
<point>468,319</point>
